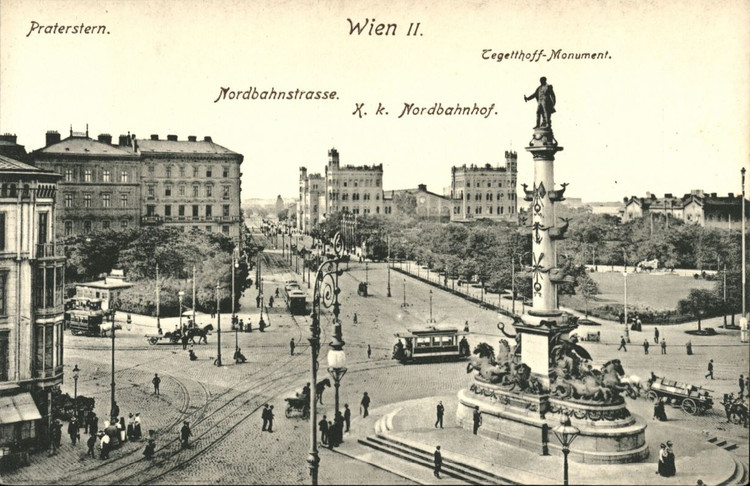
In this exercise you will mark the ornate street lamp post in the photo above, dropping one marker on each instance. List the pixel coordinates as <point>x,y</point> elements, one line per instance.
<point>431,319</point>
<point>388,264</point>
<point>76,373</point>
<point>180,295</point>
<point>158,319</point>
<point>326,294</point>
<point>218,327</point>
<point>404,304</point>
<point>337,362</point>
<point>112,397</point>
<point>566,434</point>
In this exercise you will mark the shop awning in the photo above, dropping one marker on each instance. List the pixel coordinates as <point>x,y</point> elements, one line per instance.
<point>18,408</point>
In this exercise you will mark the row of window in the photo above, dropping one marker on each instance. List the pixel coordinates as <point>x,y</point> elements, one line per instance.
<point>123,176</point>
<point>334,196</point>
<point>181,190</point>
<point>478,210</point>
<point>208,213</point>
<point>364,183</point>
<point>487,197</point>
<point>364,211</point>
<point>489,184</point>
<point>196,171</point>
<point>106,200</point>
<point>88,226</point>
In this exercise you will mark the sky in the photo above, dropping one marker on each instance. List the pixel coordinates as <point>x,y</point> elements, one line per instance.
<point>665,111</point>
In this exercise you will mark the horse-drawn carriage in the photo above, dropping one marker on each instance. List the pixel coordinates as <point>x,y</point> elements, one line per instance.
<point>736,408</point>
<point>692,399</point>
<point>297,406</point>
<point>175,337</point>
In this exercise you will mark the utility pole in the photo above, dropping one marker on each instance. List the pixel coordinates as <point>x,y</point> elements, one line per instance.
<point>193,294</point>
<point>158,320</point>
<point>744,268</point>
<point>389,265</point>
<point>218,327</point>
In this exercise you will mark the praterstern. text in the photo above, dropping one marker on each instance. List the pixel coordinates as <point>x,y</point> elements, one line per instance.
<point>37,28</point>
<point>542,55</point>
<point>253,93</point>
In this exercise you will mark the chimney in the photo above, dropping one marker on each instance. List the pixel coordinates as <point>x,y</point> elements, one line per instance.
<point>192,138</point>
<point>172,138</point>
<point>154,137</point>
<point>625,200</point>
<point>52,137</point>
<point>207,138</point>
<point>105,138</point>
<point>124,141</point>
<point>713,195</point>
<point>422,187</point>
<point>8,137</point>
<point>731,195</point>
<point>668,195</point>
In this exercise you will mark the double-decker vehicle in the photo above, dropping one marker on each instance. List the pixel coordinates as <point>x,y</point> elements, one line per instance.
<point>84,316</point>
<point>430,344</point>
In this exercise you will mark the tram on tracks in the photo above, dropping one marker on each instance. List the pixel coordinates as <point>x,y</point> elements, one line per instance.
<point>430,344</point>
<point>296,298</point>
<point>84,316</point>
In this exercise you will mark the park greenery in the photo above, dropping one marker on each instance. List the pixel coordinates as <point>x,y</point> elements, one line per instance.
<point>490,252</point>
<point>137,252</point>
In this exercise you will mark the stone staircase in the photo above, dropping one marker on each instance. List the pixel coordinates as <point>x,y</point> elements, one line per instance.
<point>741,474</point>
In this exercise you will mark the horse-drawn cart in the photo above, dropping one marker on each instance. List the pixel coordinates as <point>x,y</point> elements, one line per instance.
<point>175,337</point>
<point>297,406</point>
<point>692,399</point>
<point>167,338</point>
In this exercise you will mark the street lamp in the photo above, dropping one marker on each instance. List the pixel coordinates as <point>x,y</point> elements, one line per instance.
<point>76,373</point>
<point>404,304</point>
<point>431,319</point>
<point>326,292</point>
<point>337,362</point>
<point>389,265</point>
<point>566,434</point>
<point>112,397</point>
<point>180,295</point>
<point>158,319</point>
<point>235,266</point>
<point>218,327</point>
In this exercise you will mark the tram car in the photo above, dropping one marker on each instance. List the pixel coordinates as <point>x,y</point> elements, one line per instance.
<point>296,299</point>
<point>430,344</point>
<point>84,316</point>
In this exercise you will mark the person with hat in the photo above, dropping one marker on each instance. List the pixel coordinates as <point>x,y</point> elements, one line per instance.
<point>73,430</point>
<point>137,426</point>
<point>710,369</point>
<point>669,466</point>
<point>661,471</point>
<point>185,434</point>
<point>91,442</point>
<point>150,449</point>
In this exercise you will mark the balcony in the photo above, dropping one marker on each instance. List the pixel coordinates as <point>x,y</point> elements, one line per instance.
<point>151,220</point>
<point>49,250</point>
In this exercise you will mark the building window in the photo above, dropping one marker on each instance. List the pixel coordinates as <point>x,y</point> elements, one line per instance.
<point>3,293</point>
<point>225,210</point>
<point>225,229</point>
<point>123,200</point>
<point>106,176</point>
<point>225,192</point>
<point>167,189</point>
<point>87,175</point>
<point>181,189</point>
<point>501,210</point>
<point>169,171</point>
<point>106,200</point>
<point>195,171</point>
<point>124,176</point>
<point>225,172</point>
<point>345,197</point>
<point>195,190</point>
<point>167,211</point>
<point>479,210</point>
<point>208,171</point>
<point>366,196</point>
<point>355,211</point>
<point>209,211</point>
<point>106,224</point>
<point>209,190</point>
<point>68,200</point>
<point>86,227</point>
<point>68,175</point>
<point>124,224</point>
<point>150,210</point>
<point>468,209</point>
<point>377,196</point>
<point>181,210</point>
<point>150,191</point>
<point>182,171</point>
<point>68,228</point>
<point>87,200</point>
<point>209,229</point>
<point>195,211</point>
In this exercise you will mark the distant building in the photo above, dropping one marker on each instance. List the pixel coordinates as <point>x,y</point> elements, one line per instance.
<point>485,191</point>
<point>697,207</point>
<point>418,203</point>
<point>143,182</point>
<point>311,203</point>
<point>10,148</point>
<point>279,204</point>
<point>32,282</point>
<point>107,290</point>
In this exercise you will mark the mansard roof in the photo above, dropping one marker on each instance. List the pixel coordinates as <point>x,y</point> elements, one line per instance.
<point>83,145</point>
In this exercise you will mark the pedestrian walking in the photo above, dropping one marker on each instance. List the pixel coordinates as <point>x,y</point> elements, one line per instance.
<point>91,442</point>
<point>710,369</point>
<point>347,416</point>
<point>364,405</point>
<point>257,303</point>
<point>249,325</point>
<point>466,326</point>
<point>185,435</point>
<point>338,423</point>
<point>57,432</point>
<point>156,381</point>
<point>369,351</point>
<point>621,318</point>
<point>270,419</point>
<point>438,459</point>
<point>663,346</point>
<point>661,467</point>
<point>440,412</point>
<point>477,417</point>
<point>264,415</point>
<point>131,427</point>
<point>137,426</point>
<point>669,465</point>
<point>645,346</point>
<point>323,427</point>
<point>622,344</point>
<point>689,348</point>
<point>184,341</point>
<point>150,449</point>
<point>104,444</point>
<point>73,430</point>
<point>115,412</point>
<point>242,325</point>
<point>291,347</point>
<point>656,335</point>
<point>270,302</point>
<point>742,386</point>
<point>93,423</point>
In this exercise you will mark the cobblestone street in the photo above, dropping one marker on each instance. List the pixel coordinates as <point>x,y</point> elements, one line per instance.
<point>222,404</point>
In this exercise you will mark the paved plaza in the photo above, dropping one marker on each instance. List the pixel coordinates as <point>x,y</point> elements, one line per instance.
<point>223,404</point>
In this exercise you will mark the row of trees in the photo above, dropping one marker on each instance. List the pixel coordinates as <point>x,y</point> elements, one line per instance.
<point>485,250</point>
<point>138,251</point>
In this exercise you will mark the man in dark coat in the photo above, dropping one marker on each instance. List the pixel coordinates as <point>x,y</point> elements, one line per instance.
<point>91,443</point>
<point>323,427</point>
<point>347,416</point>
<point>365,404</point>
<point>185,435</point>
<point>270,419</point>
<point>264,415</point>
<point>156,381</point>
<point>73,430</point>
<point>438,457</point>
<point>622,344</point>
<point>291,347</point>
<point>93,423</point>
<point>742,386</point>
<point>710,369</point>
<point>477,417</point>
<point>656,335</point>
<point>440,412</point>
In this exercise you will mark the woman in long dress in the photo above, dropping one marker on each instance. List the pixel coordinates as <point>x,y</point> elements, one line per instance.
<point>669,466</point>
<point>121,428</point>
<point>661,471</point>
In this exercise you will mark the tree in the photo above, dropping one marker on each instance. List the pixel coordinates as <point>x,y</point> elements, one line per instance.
<point>587,288</point>
<point>699,302</point>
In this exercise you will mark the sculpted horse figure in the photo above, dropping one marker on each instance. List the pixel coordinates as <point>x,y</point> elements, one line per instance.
<point>613,377</point>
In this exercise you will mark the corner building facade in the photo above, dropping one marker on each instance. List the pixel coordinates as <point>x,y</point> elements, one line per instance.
<point>485,192</point>
<point>354,189</point>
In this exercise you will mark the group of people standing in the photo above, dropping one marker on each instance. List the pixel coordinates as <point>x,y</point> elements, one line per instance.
<point>666,465</point>
<point>332,432</point>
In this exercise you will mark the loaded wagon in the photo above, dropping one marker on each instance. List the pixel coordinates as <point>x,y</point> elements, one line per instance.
<point>692,399</point>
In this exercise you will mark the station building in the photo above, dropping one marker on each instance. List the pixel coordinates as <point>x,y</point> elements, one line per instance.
<point>485,191</point>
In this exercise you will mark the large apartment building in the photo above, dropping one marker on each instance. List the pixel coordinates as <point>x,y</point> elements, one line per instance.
<point>698,207</point>
<point>142,182</point>
<point>485,191</point>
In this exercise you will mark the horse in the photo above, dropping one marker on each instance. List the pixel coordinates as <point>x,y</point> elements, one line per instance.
<point>201,333</point>
<point>320,388</point>
<point>613,377</point>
